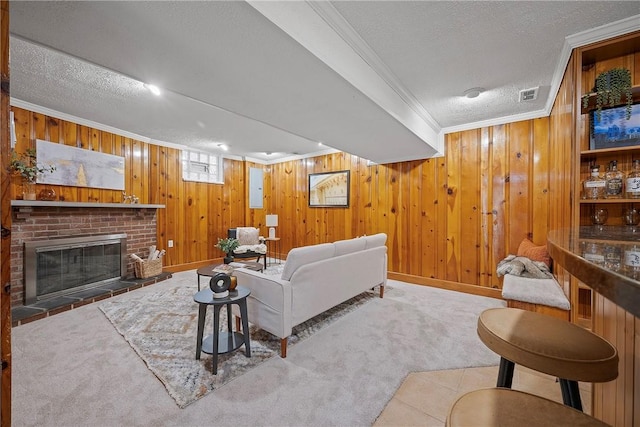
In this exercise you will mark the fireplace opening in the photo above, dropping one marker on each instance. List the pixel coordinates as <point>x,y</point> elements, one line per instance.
<point>61,266</point>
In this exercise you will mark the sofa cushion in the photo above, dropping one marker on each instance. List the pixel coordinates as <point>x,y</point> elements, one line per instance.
<point>349,246</point>
<point>305,255</point>
<point>375,240</point>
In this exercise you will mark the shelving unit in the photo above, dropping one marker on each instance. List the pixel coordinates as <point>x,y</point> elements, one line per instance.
<point>591,60</point>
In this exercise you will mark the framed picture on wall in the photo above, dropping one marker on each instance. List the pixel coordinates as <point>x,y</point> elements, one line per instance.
<point>329,189</point>
<point>613,130</point>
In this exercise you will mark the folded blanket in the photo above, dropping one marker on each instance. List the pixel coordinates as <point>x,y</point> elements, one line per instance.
<point>523,266</point>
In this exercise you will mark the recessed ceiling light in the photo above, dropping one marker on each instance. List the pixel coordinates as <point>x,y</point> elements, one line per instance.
<point>223,147</point>
<point>153,89</point>
<point>473,92</point>
<point>320,143</point>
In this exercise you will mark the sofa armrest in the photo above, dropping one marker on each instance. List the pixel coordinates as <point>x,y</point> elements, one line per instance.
<point>269,305</point>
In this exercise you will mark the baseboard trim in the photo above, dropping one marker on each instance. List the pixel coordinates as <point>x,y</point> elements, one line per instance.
<point>191,265</point>
<point>445,284</point>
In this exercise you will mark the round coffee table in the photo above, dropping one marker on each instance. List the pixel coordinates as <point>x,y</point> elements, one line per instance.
<point>225,341</point>
<point>209,270</point>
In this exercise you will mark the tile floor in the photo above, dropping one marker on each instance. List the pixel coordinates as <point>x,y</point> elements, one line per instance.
<point>424,398</point>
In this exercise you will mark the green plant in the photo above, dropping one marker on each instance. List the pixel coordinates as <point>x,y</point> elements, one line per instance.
<point>227,245</point>
<point>26,165</point>
<point>610,87</point>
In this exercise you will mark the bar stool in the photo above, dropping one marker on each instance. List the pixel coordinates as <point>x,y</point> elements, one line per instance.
<point>504,407</point>
<point>549,345</point>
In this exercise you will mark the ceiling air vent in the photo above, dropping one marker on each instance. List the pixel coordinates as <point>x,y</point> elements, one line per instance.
<point>528,94</point>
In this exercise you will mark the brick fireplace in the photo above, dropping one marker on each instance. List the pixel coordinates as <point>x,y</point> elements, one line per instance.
<point>38,223</point>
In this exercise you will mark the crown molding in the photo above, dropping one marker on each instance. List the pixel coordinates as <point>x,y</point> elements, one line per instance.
<point>604,32</point>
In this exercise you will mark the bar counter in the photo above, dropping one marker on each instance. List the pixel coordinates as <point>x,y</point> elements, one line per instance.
<point>582,252</point>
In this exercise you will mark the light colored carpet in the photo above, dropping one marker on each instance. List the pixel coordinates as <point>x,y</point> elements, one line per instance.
<point>162,329</point>
<point>75,369</point>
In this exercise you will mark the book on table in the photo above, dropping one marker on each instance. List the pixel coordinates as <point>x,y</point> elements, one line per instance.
<point>224,268</point>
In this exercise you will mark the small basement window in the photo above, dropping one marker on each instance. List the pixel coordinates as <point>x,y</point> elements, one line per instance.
<point>202,167</point>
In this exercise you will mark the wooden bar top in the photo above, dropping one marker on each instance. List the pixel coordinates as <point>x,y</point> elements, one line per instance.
<point>568,248</point>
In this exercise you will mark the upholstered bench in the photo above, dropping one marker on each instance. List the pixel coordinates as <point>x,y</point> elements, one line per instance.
<point>538,295</point>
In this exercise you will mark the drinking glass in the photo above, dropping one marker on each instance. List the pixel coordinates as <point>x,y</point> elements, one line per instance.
<point>599,216</point>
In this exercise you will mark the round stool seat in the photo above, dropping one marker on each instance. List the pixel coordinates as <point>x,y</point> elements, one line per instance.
<point>546,344</point>
<point>506,407</point>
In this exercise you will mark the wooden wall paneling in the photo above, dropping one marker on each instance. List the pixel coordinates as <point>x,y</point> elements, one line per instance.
<point>395,222</point>
<point>499,173</point>
<point>453,209</point>
<point>157,194</point>
<point>415,214</point>
<point>598,327</point>
<point>540,180</point>
<point>441,212</point>
<point>203,246</point>
<point>365,185</point>
<point>381,219</point>
<point>469,202</point>
<point>485,203</point>
<point>286,210</point>
<point>519,218</point>
<point>374,189</point>
<point>5,213</point>
<point>355,227</point>
<point>347,217</point>
<point>173,208</point>
<point>625,391</point>
<point>427,218</point>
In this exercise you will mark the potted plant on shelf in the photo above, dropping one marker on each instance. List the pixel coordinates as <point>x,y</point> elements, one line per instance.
<point>27,166</point>
<point>610,87</point>
<point>227,246</point>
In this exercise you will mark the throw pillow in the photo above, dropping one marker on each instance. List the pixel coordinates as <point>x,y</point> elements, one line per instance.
<point>247,236</point>
<point>535,253</point>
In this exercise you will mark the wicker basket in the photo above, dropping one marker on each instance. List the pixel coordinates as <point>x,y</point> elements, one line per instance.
<point>144,269</point>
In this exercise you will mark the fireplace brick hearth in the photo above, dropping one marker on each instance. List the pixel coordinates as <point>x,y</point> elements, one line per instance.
<point>45,223</point>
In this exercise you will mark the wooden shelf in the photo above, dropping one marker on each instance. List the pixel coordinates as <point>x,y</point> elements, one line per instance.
<point>607,201</point>
<point>635,94</point>
<point>42,203</point>
<point>586,154</point>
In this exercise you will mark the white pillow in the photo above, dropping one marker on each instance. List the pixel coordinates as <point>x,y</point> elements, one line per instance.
<point>247,235</point>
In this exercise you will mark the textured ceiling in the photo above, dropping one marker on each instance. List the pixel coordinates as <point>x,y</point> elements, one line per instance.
<point>377,79</point>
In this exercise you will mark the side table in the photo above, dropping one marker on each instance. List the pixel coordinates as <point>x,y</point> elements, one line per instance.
<point>221,342</point>
<point>276,243</point>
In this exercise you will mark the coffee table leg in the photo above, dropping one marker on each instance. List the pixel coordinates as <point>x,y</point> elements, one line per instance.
<point>202,311</point>
<point>216,333</point>
<point>245,327</point>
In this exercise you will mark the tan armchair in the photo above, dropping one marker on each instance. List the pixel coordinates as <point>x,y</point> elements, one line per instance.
<point>251,243</point>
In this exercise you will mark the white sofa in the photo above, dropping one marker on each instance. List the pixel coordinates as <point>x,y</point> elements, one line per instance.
<point>314,279</point>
